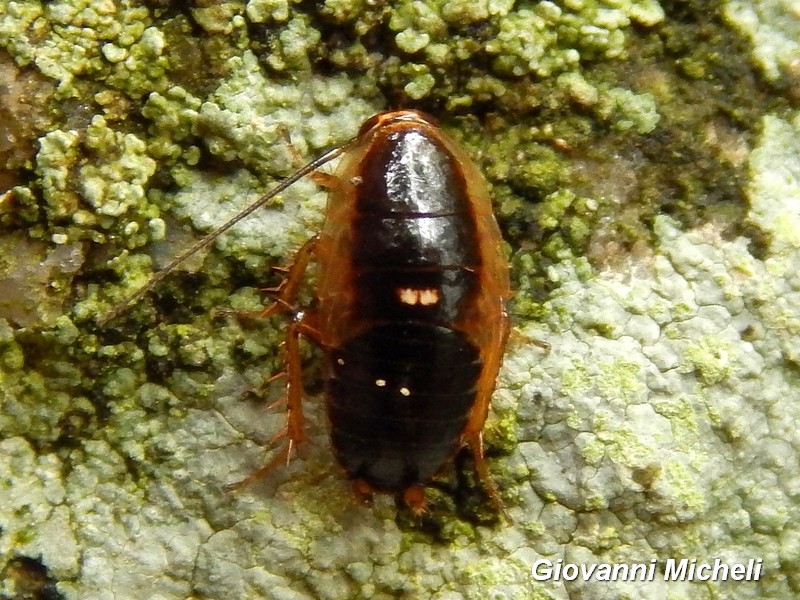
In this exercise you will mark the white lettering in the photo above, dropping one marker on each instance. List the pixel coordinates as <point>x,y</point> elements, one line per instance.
<point>615,575</point>
<point>570,572</point>
<point>719,565</point>
<point>673,574</point>
<point>757,574</point>
<point>684,569</point>
<point>542,570</point>
<point>640,568</point>
<point>692,567</point>
<point>740,572</point>
<point>603,572</point>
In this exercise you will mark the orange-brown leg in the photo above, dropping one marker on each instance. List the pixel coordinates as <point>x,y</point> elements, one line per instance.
<point>517,338</point>
<point>289,287</point>
<point>472,436</point>
<point>414,499</point>
<point>293,431</point>
<point>303,325</point>
<point>474,442</point>
<point>321,178</point>
<point>363,491</point>
<point>286,292</point>
<point>306,327</point>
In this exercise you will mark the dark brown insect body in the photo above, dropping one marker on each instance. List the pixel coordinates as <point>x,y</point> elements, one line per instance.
<point>411,305</point>
<point>410,312</point>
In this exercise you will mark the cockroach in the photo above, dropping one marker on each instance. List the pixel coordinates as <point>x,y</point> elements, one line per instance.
<point>410,310</point>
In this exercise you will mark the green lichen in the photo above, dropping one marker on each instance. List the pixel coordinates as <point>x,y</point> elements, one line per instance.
<point>622,380</point>
<point>219,17</point>
<point>691,498</point>
<point>262,11</point>
<point>70,41</point>
<point>116,182</point>
<point>711,358</point>
<point>627,110</point>
<point>680,412</point>
<point>57,154</point>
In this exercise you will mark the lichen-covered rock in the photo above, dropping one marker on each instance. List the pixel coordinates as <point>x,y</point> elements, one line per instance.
<point>647,190</point>
<point>774,31</point>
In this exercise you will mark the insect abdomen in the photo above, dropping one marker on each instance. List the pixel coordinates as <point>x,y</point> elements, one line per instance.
<point>398,399</point>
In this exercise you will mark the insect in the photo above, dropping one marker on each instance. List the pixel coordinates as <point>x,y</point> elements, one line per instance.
<point>410,309</point>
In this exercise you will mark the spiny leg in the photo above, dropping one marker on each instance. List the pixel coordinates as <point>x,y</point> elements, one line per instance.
<point>290,286</point>
<point>285,298</point>
<point>474,442</point>
<point>293,430</point>
<point>286,292</point>
<point>303,324</point>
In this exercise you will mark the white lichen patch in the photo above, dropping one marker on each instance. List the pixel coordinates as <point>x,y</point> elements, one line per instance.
<point>774,195</point>
<point>672,413</point>
<point>244,120</point>
<point>773,27</point>
<point>775,184</point>
<point>35,518</point>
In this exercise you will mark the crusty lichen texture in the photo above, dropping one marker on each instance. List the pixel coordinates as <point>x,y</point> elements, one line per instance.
<point>647,181</point>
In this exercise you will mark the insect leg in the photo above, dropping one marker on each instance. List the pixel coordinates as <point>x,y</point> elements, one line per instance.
<point>322,179</point>
<point>472,436</point>
<point>474,441</point>
<point>304,326</point>
<point>301,326</point>
<point>286,292</point>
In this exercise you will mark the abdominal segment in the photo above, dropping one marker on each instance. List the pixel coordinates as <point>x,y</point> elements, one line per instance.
<point>399,396</point>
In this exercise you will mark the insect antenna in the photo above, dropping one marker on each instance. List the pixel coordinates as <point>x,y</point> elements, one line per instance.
<point>209,238</point>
